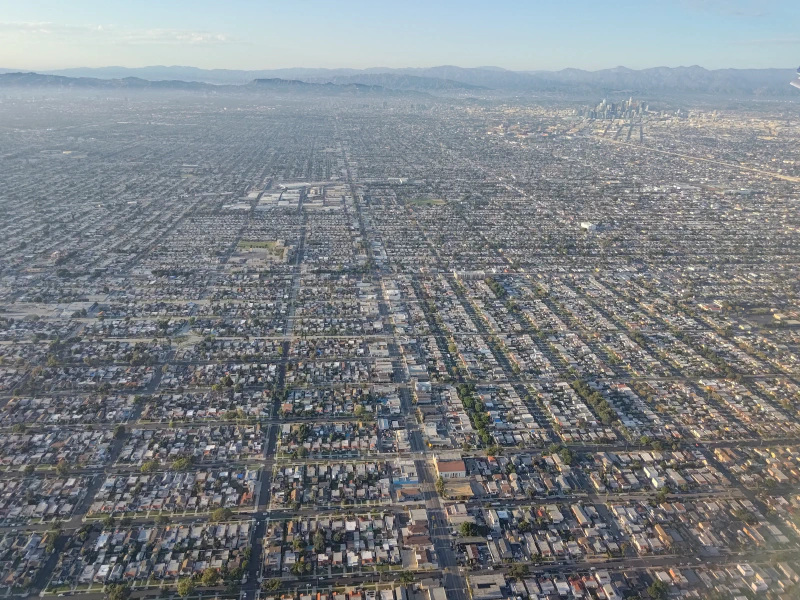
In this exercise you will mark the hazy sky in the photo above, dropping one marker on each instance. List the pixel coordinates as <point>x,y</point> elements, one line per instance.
<point>515,34</point>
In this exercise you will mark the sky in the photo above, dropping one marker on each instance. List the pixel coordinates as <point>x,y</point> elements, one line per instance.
<point>513,34</point>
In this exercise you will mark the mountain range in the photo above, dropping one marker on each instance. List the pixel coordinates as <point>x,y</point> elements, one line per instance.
<point>273,85</point>
<point>450,80</point>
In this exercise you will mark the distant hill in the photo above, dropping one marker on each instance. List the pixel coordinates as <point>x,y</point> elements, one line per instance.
<point>216,76</point>
<point>294,85</point>
<point>395,81</point>
<point>37,80</point>
<point>409,79</point>
<point>274,85</point>
<point>695,80</point>
<point>448,79</point>
<point>401,81</point>
<point>655,81</point>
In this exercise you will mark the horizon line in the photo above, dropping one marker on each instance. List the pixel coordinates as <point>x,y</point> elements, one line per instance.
<point>483,67</point>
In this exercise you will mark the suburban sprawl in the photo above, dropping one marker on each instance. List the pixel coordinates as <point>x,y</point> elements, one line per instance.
<point>398,347</point>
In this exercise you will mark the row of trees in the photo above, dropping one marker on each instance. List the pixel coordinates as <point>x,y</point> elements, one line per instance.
<point>498,289</point>
<point>566,455</point>
<point>183,463</point>
<point>596,401</point>
<point>218,515</point>
<point>440,487</point>
<point>476,410</point>
<point>185,586</point>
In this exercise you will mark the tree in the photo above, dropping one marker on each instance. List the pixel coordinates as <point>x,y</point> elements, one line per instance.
<point>210,577</point>
<point>319,541</point>
<point>272,585</point>
<point>117,591</point>
<point>119,431</point>
<point>149,466</point>
<point>62,468</point>
<point>468,529</point>
<point>83,533</point>
<point>493,450</point>
<point>221,514</point>
<point>518,571</point>
<point>185,587</point>
<point>745,516</point>
<point>658,590</point>
<point>406,578</point>
<point>440,488</point>
<point>182,464</point>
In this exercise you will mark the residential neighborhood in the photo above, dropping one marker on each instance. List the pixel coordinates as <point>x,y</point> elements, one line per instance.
<point>398,349</point>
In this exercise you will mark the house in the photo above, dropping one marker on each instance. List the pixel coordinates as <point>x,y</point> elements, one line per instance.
<point>487,587</point>
<point>422,392</point>
<point>409,494</point>
<point>425,558</point>
<point>451,469</point>
<point>611,592</point>
<point>457,514</point>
